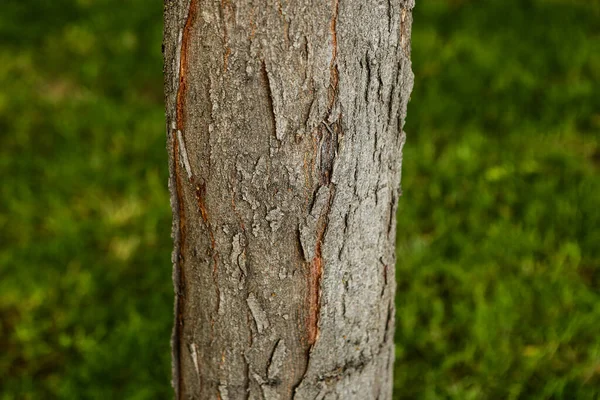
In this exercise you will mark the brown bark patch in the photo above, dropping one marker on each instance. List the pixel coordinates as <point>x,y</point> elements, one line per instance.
<point>200,200</point>
<point>183,63</point>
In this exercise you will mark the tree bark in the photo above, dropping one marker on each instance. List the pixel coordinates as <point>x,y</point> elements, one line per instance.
<point>285,140</point>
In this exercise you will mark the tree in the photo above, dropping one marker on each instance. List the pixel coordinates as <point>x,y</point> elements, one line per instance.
<point>285,139</point>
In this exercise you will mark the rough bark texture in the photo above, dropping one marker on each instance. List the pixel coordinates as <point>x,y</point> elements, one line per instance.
<point>285,139</point>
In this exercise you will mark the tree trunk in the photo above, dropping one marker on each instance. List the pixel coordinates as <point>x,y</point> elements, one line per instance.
<point>285,138</point>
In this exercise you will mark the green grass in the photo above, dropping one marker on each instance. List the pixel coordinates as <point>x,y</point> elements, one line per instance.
<point>499,224</point>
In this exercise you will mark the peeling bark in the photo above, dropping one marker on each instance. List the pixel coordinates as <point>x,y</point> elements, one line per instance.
<point>285,142</point>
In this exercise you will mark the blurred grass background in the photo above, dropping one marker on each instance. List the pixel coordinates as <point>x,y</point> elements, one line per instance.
<point>499,225</point>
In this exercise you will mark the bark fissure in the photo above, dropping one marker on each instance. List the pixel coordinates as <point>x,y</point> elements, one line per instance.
<point>180,239</point>
<point>327,152</point>
<point>267,81</point>
<point>183,64</point>
<point>180,302</point>
<point>316,271</point>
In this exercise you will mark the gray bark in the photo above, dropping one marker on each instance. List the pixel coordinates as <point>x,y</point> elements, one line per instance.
<point>285,139</point>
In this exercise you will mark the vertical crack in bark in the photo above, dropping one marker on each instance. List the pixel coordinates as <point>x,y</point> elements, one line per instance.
<point>200,195</point>
<point>328,153</point>
<point>327,138</point>
<point>178,329</point>
<point>368,80</point>
<point>316,224</point>
<point>267,83</point>
<point>392,215</point>
<point>183,62</point>
<point>316,272</point>
<point>390,15</point>
<point>385,276</point>
<point>330,130</point>
<point>200,188</point>
<point>181,240</point>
